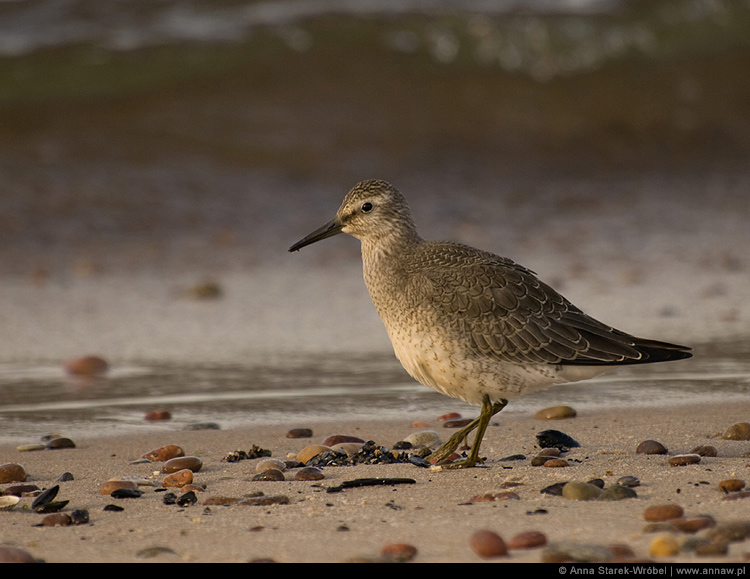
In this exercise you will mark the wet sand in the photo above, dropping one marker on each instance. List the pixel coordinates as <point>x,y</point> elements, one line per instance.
<point>434,514</point>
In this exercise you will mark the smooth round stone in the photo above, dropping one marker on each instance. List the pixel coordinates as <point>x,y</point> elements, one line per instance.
<point>738,431</point>
<point>57,520</point>
<point>156,415</point>
<point>86,366</point>
<point>556,463</point>
<point>164,453</point>
<point>555,413</point>
<point>398,552</point>
<point>190,462</point>
<point>711,548</point>
<point>449,416</point>
<point>335,439</point>
<point>663,546</point>
<point>488,544</point>
<point>112,485</point>
<point>656,513</point>
<point>269,463</point>
<point>423,439</point>
<point>21,490</point>
<point>271,474</point>
<point>730,531</point>
<point>684,459</point>
<point>309,473</point>
<point>651,447</point>
<point>580,491</point>
<point>178,479</point>
<point>60,442</point>
<point>705,451</point>
<point>12,472</point>
<point>693,524</point>
<point>9,554</point>
<point>311,451</point>
<point>299,433</point>
<point>731,485</point>
<point>617,493</point>
<point>528,540</point>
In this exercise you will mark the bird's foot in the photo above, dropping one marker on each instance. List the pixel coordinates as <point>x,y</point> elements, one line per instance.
<point>468,462</point>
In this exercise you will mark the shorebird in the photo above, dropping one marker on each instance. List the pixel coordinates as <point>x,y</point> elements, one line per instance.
<point>469,323</point>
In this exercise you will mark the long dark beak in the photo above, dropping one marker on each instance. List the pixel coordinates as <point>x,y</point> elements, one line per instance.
<point>330,229</point>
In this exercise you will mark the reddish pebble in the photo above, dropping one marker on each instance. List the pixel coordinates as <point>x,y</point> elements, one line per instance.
<point>488,544</point>
<point>528,540</point>
<point>155,415</point>
<point>299,433</point>
<point>399,552</point>
<point>335,439</point>
<point>556,463</point>
<point>112,485</point>
<point>86,366</point>
<point>658,513</point>
<point>449,416</point>
<point>420,424</point>
<point>12,472</point>
<point>692,524</point>
<point>192,463</point>
<point>684,459</point>
<point>178,479</point>
<point>57,520</point>
<point>164,453</point>
<point>309,473</point>
<point>731,485</point>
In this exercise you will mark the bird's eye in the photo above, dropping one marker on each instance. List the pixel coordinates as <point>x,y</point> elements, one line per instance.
<point>367,207</point>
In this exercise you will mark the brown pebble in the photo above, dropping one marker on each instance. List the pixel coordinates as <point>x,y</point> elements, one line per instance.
<point>528,540</point>
<point>731,485</point>
<point>178,479</point>
<point>270,463</point>
<point>684,459</point>
<point>21,490</point>
<point>398,552</point>
<point>299,433</point>
<point>86,366</point>
<point>555,413</point>
<point>60,442</point>
<point>196,488</point>
<point>219,501</point>
<point>155,415</point>
<point>420,424</point>
<point>621,552</point>
<point>309,473</point>
<point>556,463</point>
<point>692,524</point>
<point>458,423</point>
<point>549,452</point>
<point>57,520</point>
<point>657,513</point>
<point>738,431</point>
<point>174,464</point>
<point>335,439</point>
<point>488,544</point>
<point>9,554</point>
<point>711,548</point>
<point>12,472</point>
<point>311,452</point>
<point>271,474</point>
<point>164,453</point>
<point>705,451</point>
<point>449,416</point>
<point>651,447</point>
<point>112,485</point>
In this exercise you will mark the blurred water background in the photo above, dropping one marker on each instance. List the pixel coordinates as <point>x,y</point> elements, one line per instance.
<point>145,144</point>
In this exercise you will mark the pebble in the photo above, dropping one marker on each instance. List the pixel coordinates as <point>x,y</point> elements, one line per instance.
<point>335,439</point>
<point>12,472</point>
<point>738,431</point>
<point>22,490</point>
<point>398,552</point>
<point>174,464</point>
<point>457,423</point>
<point>684,459</point>
<point>270,463</point>
<point>311,451</point>
<point>271,474</point>
<point>30,447</point>
<point>488,544</point>
<point>528,540</point>
<point>617,493</point>
<point>164,453</point>
<point>309,473</point>
<point>155,415</point>
<point>424,439</point>
<point>651,447</point>
<point>555,439</point>
<point>556,463</point>
<point>705,451</point>
<point>555,413</point>
<point>112,485</point>
<point>299,433</point>
<point>202,426</point>
<point>656,513</point>
<point>349,448</point>
<point>731,485</point>
<point>580,491</point>
<point>693,524</point>
<point>9,554</point>
<point>86,366</point>
<point>57,520</point>
<point>178,479</point>
<point>731,531</point>
<point>663,546</point>
<point>449,416</point>
<point>60,442</point>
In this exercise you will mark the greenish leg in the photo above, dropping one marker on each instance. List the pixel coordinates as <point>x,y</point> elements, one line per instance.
<point>480,423</point>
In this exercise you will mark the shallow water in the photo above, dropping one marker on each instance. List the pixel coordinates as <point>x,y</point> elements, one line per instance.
<point>41,400</point>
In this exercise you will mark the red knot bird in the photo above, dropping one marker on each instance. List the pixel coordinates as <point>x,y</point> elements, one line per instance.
<point>470,324</point>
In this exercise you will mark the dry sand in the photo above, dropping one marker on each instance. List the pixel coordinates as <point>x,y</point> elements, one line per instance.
<point>434,514</point>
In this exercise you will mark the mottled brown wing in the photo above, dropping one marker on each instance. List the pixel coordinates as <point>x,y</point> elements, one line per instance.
<point>508,313</point>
